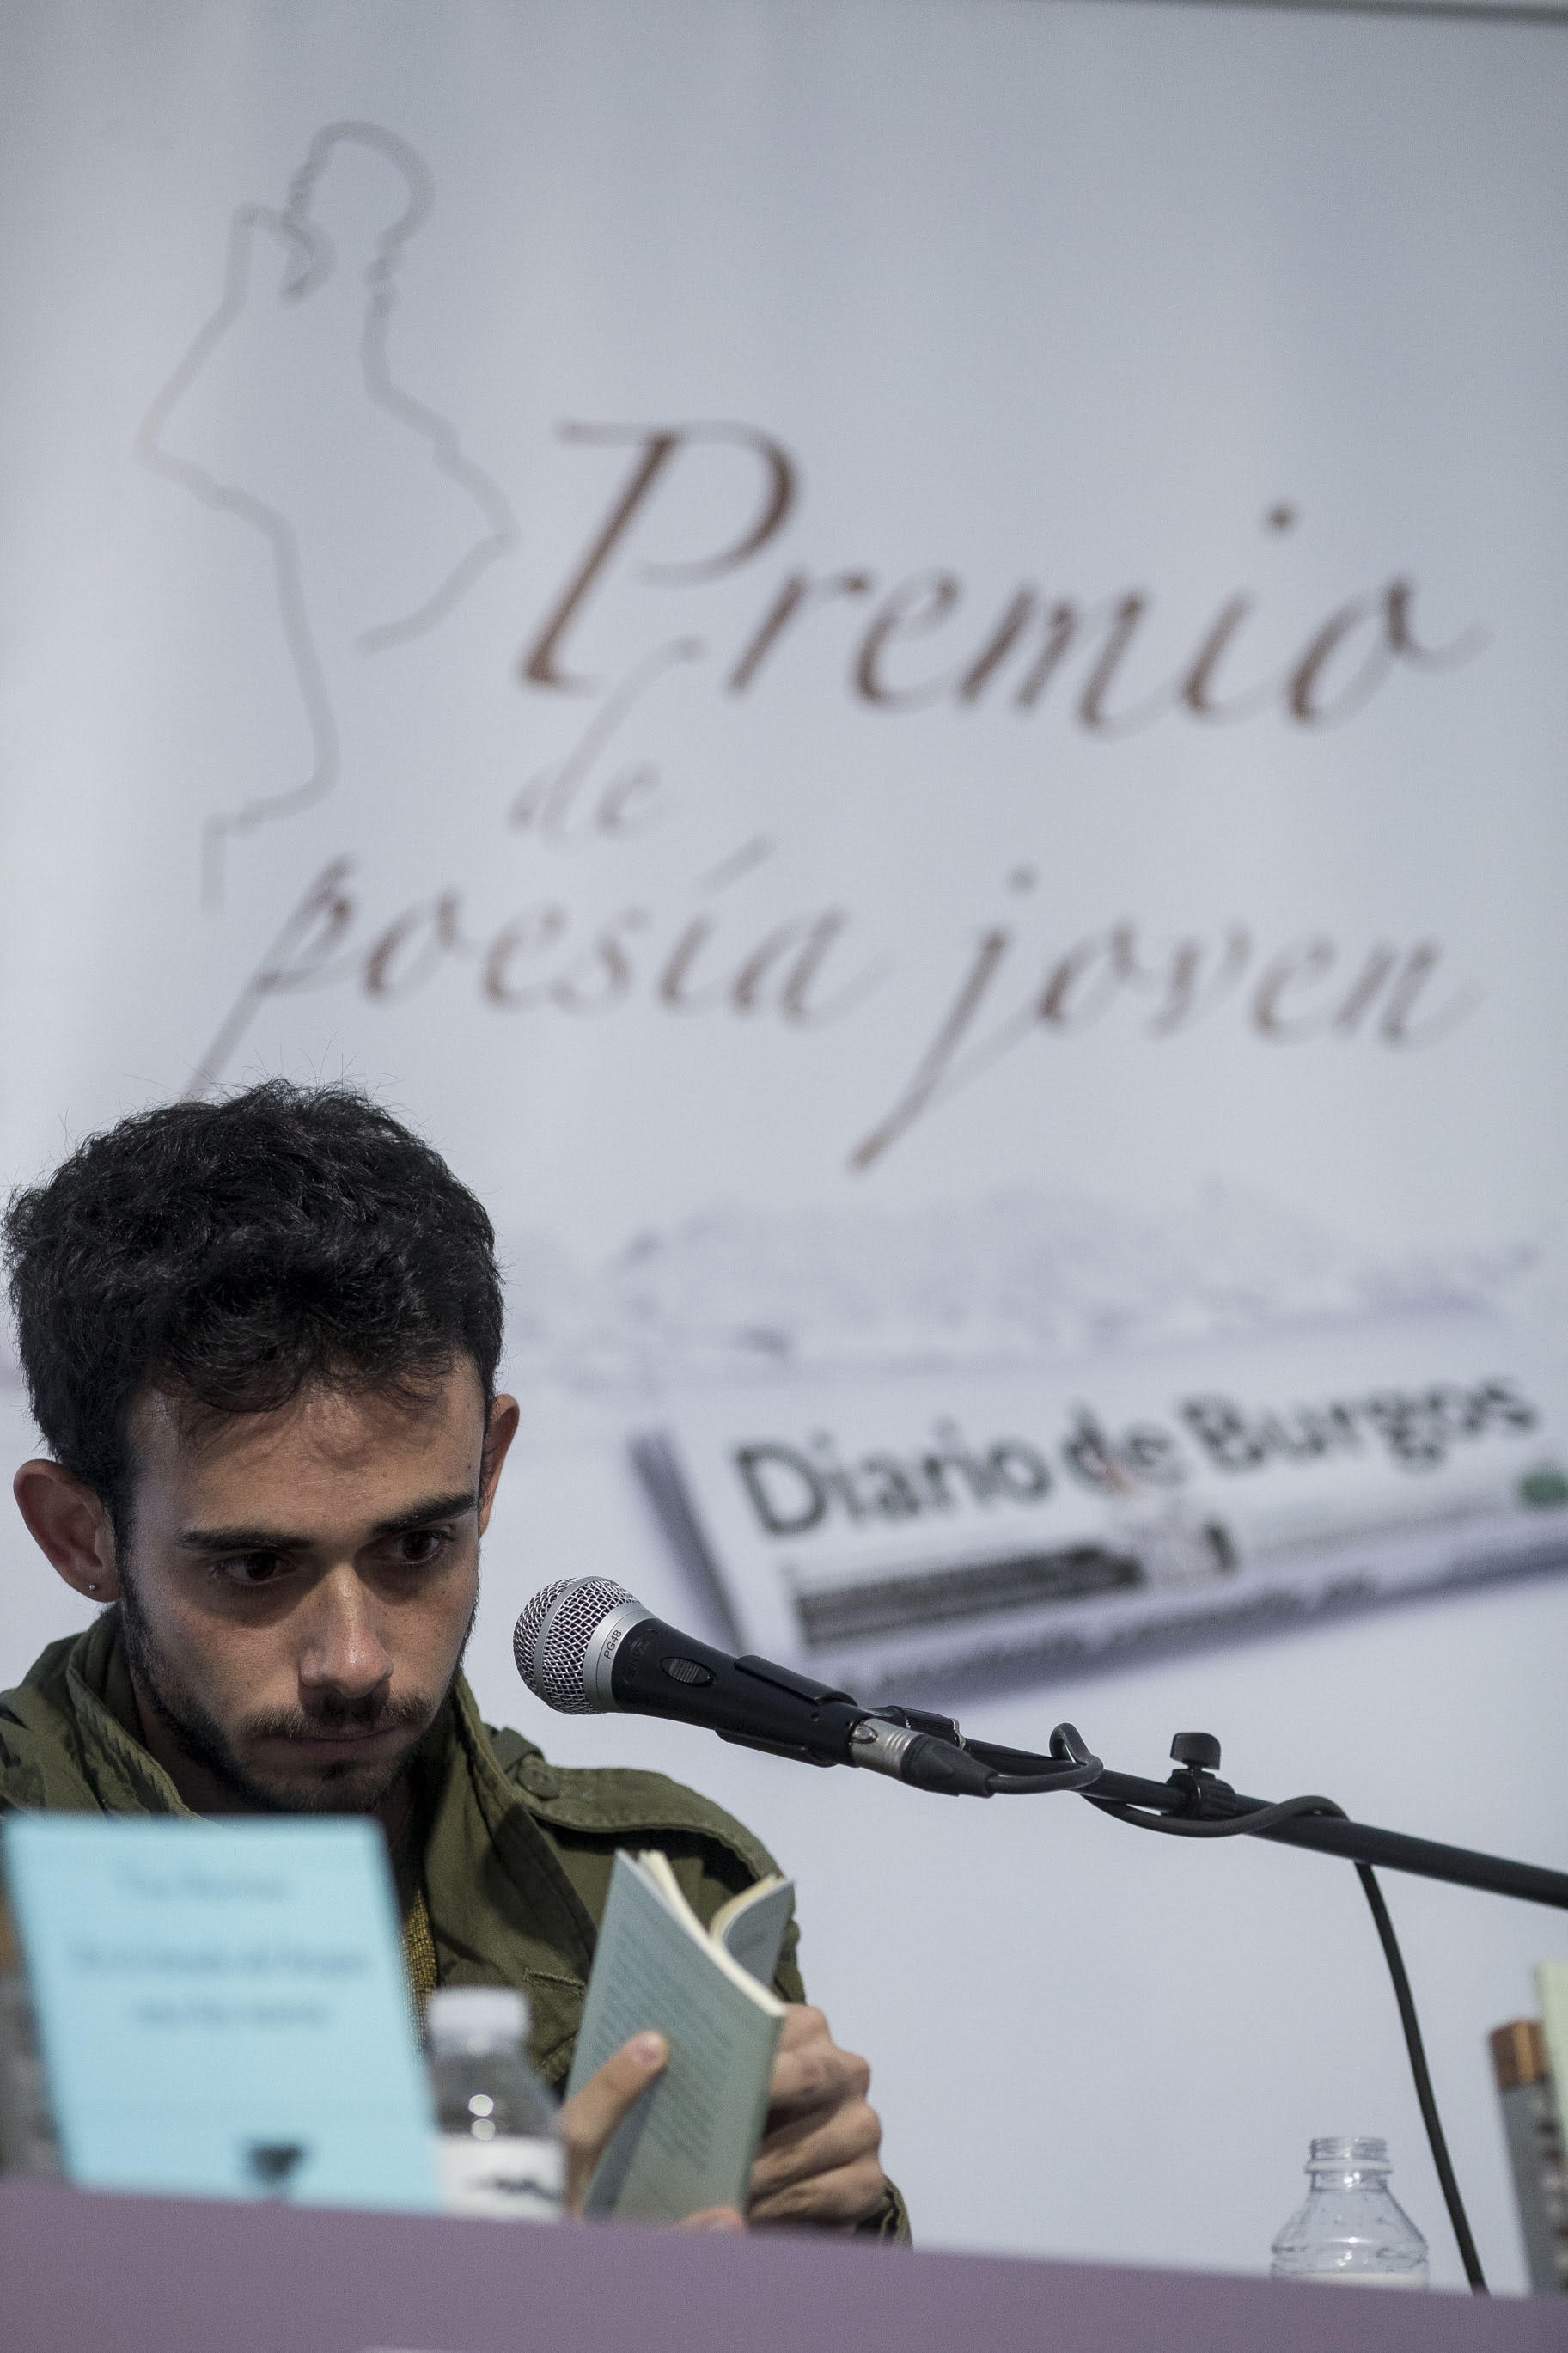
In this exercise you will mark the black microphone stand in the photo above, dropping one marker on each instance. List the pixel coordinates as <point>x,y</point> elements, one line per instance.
<point>1195,1803</point>
<point>1195,1795</point>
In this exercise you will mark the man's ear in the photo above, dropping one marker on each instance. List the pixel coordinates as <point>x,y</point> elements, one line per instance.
<point>71,1524</point>
<point>505,1415</point>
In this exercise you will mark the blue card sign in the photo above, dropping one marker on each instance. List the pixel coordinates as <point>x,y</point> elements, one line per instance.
<point>221,2007</point>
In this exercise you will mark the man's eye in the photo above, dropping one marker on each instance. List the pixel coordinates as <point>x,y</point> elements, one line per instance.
<point>421,1546</point>
<point>250,1568</point>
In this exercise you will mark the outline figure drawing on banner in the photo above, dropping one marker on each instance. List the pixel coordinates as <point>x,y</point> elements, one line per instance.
<point>261,431</point>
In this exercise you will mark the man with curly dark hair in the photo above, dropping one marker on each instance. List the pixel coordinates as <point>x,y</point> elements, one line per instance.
<point>260,1338</point>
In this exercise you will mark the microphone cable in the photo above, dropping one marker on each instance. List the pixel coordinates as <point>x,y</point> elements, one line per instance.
<point>1424,2091</point>
<point>1074,1767</point>
<point>1265,1819</point>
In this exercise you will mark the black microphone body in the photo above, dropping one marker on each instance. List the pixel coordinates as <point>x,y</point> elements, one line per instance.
<point>656,1670</point>
<point>587,1645</point>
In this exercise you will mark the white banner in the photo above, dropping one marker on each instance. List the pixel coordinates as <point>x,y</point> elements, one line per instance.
<point>898,664</point>
<point>840,668</point>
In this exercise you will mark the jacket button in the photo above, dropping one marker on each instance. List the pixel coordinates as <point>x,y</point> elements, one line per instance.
<point>538,1779</point>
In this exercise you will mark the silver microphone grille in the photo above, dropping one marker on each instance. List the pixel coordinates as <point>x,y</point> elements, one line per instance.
<point>550,1639</point>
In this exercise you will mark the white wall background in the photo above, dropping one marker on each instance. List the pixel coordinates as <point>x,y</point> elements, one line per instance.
<point>1031,292</point>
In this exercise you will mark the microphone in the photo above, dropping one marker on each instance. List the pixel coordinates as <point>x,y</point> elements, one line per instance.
<point>585,1646</point>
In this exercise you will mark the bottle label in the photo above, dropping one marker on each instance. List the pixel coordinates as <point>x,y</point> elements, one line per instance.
<point>518,2178</point>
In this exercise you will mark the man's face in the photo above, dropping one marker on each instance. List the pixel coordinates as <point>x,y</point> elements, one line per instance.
<point>300,1588</point>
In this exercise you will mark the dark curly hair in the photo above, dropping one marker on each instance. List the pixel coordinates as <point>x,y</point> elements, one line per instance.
<point>233,1252</point>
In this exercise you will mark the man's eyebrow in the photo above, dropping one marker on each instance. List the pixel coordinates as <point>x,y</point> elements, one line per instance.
<point>420,1515</point>
<point>254,1538</point>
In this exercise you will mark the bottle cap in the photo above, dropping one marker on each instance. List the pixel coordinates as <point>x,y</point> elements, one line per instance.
<point>472,2019</point>
<point>1349,2153</point>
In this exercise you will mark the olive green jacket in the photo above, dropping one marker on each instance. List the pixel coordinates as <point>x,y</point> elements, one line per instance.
<point>515,1865</point>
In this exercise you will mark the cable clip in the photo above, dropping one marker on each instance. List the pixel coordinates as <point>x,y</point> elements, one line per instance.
<point>1197,1755</point>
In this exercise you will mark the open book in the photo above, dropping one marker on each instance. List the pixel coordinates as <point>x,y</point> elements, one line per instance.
<point>689,2142</point>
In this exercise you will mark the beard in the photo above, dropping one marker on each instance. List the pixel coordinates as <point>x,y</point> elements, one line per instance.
<point>338,1786</point>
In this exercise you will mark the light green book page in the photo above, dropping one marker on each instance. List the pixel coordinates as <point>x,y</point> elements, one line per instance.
<point>751,1928</point>
<point>689,2142</point>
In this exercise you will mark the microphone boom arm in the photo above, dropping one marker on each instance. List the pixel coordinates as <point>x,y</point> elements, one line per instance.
<point>1195,1803</point>
<point>1334,1834</point>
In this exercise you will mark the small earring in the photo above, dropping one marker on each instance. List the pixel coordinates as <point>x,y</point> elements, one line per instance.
<point>92,1589</point>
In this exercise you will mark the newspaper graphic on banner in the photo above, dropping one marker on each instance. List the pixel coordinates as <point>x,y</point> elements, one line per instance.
<point>897,1531</point>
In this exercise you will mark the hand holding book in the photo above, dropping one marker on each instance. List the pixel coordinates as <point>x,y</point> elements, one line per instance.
<point>590,2118</point>
<point>744,2068</point>
<point>817,2163</point>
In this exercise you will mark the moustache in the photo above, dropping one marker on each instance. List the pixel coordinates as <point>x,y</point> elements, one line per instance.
<point>334,1718</point>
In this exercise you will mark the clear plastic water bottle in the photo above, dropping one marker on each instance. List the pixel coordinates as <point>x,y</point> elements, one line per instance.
<point>499,2150</point>
<point>1351,2228</point>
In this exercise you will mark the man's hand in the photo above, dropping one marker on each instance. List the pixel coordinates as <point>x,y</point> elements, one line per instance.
<point>589,2118</point>
<point>817,2162</point>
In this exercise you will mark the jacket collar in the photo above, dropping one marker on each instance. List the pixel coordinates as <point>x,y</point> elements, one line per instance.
<point>123,1777</point>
